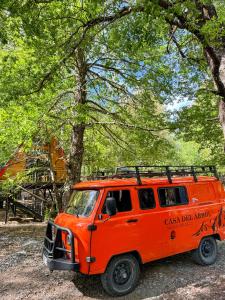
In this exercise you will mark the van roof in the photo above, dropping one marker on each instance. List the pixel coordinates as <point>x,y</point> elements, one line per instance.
<point>97,184</point>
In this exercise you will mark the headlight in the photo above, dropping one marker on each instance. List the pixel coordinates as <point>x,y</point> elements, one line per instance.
<point>53,233</point>
<point>68,239</point>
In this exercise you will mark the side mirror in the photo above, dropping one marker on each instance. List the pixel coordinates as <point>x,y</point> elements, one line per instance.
<point>111,206</point>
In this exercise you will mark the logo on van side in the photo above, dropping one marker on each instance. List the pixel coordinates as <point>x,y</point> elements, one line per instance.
<point>214,225</point>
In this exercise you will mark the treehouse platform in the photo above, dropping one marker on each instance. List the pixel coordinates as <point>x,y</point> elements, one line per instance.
<point>34,178</point>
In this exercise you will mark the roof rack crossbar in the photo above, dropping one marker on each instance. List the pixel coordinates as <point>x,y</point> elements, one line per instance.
<point>138,175</point>
<point>194,174</point>
<point>168,174</point>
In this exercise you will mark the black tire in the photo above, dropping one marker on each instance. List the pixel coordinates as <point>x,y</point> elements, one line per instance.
<point>121,275</point>
<point>206,253</point>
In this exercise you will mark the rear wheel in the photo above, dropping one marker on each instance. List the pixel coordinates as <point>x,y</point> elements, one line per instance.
<point>206,253</point>
<point>121,276</point>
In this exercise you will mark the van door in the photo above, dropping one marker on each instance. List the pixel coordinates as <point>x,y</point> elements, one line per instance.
<point>175,202</point>
<point>116,234</point>
<point>137,226</point>
<point>153,242</point>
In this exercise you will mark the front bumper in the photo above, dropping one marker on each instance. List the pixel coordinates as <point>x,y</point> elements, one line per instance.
<point>59,264</point>
<point>54,252</point>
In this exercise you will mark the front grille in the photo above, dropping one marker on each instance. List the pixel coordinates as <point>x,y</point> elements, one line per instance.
<point>54,245</point>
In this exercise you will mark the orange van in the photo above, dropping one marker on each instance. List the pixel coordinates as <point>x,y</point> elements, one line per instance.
<point>118,222</point>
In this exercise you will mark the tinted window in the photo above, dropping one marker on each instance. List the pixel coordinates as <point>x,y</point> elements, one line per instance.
<point>123,200</point>
<point>146,198</point>
<point>170,196</point>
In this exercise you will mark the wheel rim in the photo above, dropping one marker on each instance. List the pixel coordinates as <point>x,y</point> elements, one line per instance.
<point>207,248</point>
<point>122,273</point>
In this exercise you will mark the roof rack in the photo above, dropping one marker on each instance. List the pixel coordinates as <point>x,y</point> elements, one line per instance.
<point>155,171</point>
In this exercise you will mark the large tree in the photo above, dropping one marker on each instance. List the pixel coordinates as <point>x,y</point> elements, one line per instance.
<point>205,20</point>
<point>71,70</point>
<point>195,27</point>
<point>82,55</point>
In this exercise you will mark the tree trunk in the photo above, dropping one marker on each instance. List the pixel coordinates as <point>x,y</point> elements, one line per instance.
<point>78,129</point>
<point>222,101</point>
<point>215,55</point>
<point>76,153</point>
<point>222,116</point>
<point>216,61</point>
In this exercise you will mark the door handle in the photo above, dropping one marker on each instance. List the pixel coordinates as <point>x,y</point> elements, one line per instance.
<point>132,220</point>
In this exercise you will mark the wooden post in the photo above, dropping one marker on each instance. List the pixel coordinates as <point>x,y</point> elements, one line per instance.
<point>14,209</point>
<point>6,210</point>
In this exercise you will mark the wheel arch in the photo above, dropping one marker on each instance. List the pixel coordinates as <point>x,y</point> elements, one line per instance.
<point>216,236</point>
<point>135,253</point>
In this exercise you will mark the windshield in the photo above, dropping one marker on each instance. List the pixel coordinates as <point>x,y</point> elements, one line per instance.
<point>82,202</point>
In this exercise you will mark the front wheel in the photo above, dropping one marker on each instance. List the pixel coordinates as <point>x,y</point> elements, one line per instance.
<point>121,276</point>
<point>206,253</point>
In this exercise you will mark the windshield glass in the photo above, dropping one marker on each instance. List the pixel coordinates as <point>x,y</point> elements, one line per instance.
<point>82,202</point>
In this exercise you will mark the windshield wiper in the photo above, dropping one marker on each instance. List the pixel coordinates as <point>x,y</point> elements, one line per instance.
<point>76,208</point>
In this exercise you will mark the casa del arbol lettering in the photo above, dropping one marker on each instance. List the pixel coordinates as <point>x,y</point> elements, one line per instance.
<point>186,218</point>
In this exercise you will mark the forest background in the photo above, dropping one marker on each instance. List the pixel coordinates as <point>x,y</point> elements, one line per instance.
<point>117,82</point>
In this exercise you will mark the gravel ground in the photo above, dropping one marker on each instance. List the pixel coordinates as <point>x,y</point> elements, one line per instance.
<point>23,275</point>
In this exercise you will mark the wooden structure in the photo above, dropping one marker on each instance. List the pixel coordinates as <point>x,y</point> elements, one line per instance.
<point>44,168</point>
<point>41,160</point>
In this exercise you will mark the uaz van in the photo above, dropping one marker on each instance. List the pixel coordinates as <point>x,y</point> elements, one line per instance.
<point>116,223</point>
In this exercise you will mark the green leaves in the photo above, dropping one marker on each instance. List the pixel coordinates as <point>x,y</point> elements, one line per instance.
<point>136,65</point>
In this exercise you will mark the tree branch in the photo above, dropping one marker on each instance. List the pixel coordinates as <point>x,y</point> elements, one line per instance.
<point>86,27</point>
<point>100,108</point>
<point>112,83</point>
<point>130,126</point>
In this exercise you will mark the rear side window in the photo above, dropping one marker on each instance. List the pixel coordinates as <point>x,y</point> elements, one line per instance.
<point>203,192</point>
<point>170,196</point>
<point>146,198</point>
<point>123,200</point>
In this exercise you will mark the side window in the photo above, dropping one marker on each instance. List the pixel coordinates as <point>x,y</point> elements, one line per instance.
<point>146,198</point>
<point>170,196</point>
<point>202,191</point>
<point>123,200</point>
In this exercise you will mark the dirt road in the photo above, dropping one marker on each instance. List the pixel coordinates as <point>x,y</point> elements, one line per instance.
<point>23,275</point>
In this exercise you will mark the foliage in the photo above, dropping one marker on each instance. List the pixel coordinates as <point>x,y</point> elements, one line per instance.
<point>199,122</point>
<point>41,84</point>
<point>10,184</point>
<point>138,61</point>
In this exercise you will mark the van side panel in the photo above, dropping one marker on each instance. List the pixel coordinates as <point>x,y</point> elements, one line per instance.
<point>161,231</point>
<point>219,188</point>
<point>202,216</point>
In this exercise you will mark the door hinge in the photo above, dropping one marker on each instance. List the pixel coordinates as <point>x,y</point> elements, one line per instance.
<point>90,259</point>
<point>92,227</point>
